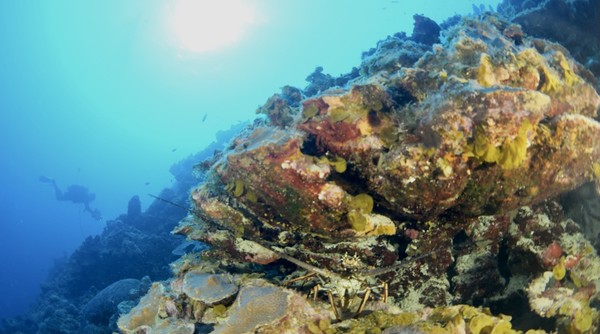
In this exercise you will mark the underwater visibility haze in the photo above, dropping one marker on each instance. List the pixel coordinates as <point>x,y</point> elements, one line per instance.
<point>410,166</point>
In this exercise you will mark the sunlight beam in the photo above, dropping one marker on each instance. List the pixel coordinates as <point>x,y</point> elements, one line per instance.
<point>206,25</point>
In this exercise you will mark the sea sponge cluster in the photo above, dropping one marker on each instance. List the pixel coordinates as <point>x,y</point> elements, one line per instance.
<point>254,307</point>
<point>146,316</point>
<point>204,298</point>
<point>208,288</point>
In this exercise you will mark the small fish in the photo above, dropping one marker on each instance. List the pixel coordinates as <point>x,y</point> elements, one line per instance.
<point>147,183</point>
<point>204,118</point>
<point>173,150</point>
<point>190,246</point>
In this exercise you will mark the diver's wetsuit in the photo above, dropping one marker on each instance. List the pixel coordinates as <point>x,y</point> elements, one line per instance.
<point>76,194</point>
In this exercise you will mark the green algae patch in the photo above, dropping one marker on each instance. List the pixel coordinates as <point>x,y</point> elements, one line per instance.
<point>238,189</point>
<point>339,164</point>
<point>360,206</point>
<point>322,326</point>
<point>443,320</point>
<point>309,111</point>
<point>378,320</point>
<point>551,83</point>
<point>559,271</point>
<point>485,75</point>
<point>596,170</point>
<point>582,320</point>
<point>339,114</point>
<point>389,135</point>
<point>510,155</point>
<point>219,310</point>
<point>362,203</point>
<point>357,220</point>
<point>251,196</point>
<point>570,78</point>
<point>481,322</point>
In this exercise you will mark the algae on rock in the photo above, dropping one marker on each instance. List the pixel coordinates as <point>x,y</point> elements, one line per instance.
<point>426,185</point>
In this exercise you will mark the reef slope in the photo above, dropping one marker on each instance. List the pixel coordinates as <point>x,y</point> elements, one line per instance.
<point>416,197</point>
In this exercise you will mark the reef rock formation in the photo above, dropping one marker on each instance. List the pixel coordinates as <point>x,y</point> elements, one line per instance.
<point>104,305</point>
<point>574,24</point>
<point>423,183</point>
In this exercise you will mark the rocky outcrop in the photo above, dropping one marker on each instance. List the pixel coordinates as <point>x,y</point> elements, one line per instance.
<point>409,196</point>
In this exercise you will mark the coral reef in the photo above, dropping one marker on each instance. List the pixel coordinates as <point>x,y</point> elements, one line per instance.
<point>570,23</point>
<point>103,306</point>
<point>208,288</point>
<point>134,208</point>
<point>85,293</point>
<point>434,189</point>
<point>419,197</point>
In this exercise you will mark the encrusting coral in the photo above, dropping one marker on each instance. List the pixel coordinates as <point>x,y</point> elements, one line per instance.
<point>394,200</point>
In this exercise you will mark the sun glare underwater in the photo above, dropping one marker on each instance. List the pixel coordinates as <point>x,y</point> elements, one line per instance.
<point>315,166</point>
<point>201,26</point>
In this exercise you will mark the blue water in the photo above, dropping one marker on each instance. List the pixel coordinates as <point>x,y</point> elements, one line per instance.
<point>98,94</point>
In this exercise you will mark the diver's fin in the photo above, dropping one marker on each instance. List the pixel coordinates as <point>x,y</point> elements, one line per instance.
<point>46,179</point>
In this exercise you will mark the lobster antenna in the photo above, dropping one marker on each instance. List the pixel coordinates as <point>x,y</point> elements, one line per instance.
<point>381,271</point>
<point>172,203</point>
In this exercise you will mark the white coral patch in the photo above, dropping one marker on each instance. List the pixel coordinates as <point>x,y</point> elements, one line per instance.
<point>332,195</point>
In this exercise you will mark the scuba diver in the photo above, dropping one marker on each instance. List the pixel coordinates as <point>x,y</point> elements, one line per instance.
<point>76,194</point>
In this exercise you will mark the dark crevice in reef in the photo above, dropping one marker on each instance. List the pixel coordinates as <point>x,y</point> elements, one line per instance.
<point>310,146</point>
<point>503,267</point>
<point>523,318</point>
